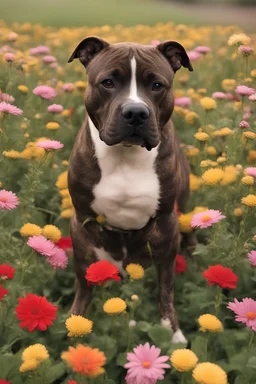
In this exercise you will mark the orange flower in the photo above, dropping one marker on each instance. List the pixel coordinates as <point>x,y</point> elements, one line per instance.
<point>85,360</point>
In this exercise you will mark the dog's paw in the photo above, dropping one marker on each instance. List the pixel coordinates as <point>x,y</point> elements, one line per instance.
<point>165,323</point>
<point>178,337</point>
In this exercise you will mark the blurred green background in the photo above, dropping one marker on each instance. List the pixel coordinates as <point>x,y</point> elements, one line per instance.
<point>130,12</point>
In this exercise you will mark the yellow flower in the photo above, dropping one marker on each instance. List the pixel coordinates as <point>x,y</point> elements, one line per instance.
<point>191,118</point>
<point>67,213</point>
<point>52,125</point>
<point>202,91</point>
<point>249,135</point>
<point>194,182</point>
<point>228,84</point>
<point>208,104</point>
<point>26,135</point>
<point>100,219</point>
<point>209,373</point>
<point>81,85</point>
<point>201,136</point>
<point>24,125</point>
<point>29,229</point>
<point>64,192</point>
<point>251,158</point>
<point>23,89</point>
<point>212,176</point>
<point>208,163</point>
<point>211,151</point>
<point>230,175</point>
<point>210,323</point>
<point>221,159</point>
<point>199,209</point>
<point>78,326</point>
<point>248,180</point>
<point>185,222</point>
<point>36,352</point>
<point>183,360</point>
<point>114,306</point>
<point>253,73</point>
<point>51,232</point>
<point>66,203</point>
<point>135,271</point>
<point>238,39</point>
<point>249,200</point>
<point>238,212</point>
<point>66,113</point>
<point>180,111</point>
<point>65,162</point>
<point>237,105</point>
<point>192,151</point>
<point>226,131</point>
<point>29,365</point>
<point>62,181</point>
<point>12,154</point>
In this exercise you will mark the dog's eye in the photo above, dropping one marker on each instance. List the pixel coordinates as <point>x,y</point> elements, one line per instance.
<point>157,86</point>
<point>108,83</point>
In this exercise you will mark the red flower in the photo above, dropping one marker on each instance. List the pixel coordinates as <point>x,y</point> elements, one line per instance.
<point>181,264</point>
<point>3,292</point>
<point>64,243</point>
<point>35,312</point>
<point>100,272</point>
<point>70,382</point>
<point>6,272</point>
<point>4,382</point>
<point>219,275</point>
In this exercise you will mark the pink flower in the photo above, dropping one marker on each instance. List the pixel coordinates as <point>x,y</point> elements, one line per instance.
<point>202,49</point>
<point>40,50</point>
<point>5,97</point>
<point>50,145</point>
<point>245,312</point>
<point>49,59</point>
<point>58,259</point>
<point>68,87</point>
<point>245,50</point>
<point>41,245</point>
<point>207,218</point>
<point>219,95</point>
<point>55,108</point>
<point>9,108</point>
<point>244,124</point>
<point>193,55</point>
<point>8,200</point>
<point>252,97</point>
<point>182,101</point>
<point>252,258</point>
<point>9,57</point>
<point>45,92</point>
<point>251,171</point>
<point>145,366</point>
<point>243,90</point>
<point>155,42</point>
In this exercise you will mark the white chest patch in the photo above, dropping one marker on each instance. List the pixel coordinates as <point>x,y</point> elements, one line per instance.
<point>128,192</point>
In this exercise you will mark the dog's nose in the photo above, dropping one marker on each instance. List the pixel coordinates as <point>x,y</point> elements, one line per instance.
<point>135,114</point>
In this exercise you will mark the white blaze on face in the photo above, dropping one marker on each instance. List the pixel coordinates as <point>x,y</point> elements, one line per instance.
<point>133,86</point>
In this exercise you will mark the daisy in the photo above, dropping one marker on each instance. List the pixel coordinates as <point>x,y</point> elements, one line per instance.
<point>45,92</point>
<point>50,145</point>
<point>243,90</point>
<point>252,258</point>
<point>245,311</point>
<point>219,95</point>
<point>8,200</point>
<point>182,101</point>
<point>202,49</point>
<point>251,171</point>
<point>40,50</point>
<point>193,55</point>
<point>49,59</point>
<point>55,108</point>
<point>41,245</point>
<point>207,218</point>
<point>58,259</point>
<point>10,109</point>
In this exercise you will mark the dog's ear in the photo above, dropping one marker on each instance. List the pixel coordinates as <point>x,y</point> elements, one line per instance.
<point>87,49</point>
<point>176,55</point>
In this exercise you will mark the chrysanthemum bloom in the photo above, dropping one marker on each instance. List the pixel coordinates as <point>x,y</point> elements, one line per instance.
<point>64,243</point>
<point>10,109</point>
<point>45,92</point>
<point>244,124</point>
<point>208,104</point>
<point>68,87</point>
<point>6,272</point>
<point>194,182</point>
<point>101,271</point>
<point>6,97</point>
<point>36,352</point>
<point>185,222</point>
<point>251,171</point>
<point>237,39</point>
<point>51,232</point>
<point>238,212</point>
<point>50,145</point>
<point>78,326</point>
<point>58,259</point>
<point>52,126</point>
<point>221,276</point>
<point>211,150</point>
<point>201,136</point>
<point>23,88</point>
<point>4,382</point>
<point>40,50</point>
<point>135,271</point>
<point>3,292</point>
<point>252,97</point>
<point>62,181</point>
<point>67,213</point>
<point>183,360</point>
<point>55,108</point>
<point>85,360</point>
<point>180,264</point>
<point>209,373</point>
<point>193,55</point>
<point>145,365</point>
<point>114,306</point>
<point>191,118</point>
<point>182,101</point>
<point>243,90</point>
<point>8,200</point>
<point>247,180</point>
<point>206,219</point>
<point>212,176</point>
<point>72,382</point>
<point>35,312</point>
<point>219,95</point>
<point>9,57</point>
<point>249,135</point>
<point>80,85</point>
<point>245,50</point>
<point>245,311</point>
<point>41,245</point>
<point>249,200</point>
<point>210,323</point>
<point>29,229</point>
<point>29,365</point>
<point>49,59</point>
<point>252,258</point>
<point>203,49</point>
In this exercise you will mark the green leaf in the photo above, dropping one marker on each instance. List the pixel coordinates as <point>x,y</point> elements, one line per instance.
<point>143,326</point>
<point>121,359</point>
<point>55,372</point>
<point>251,363</point>
<point>109,381</point>
<point>198,346</point>
<point>160,336</point>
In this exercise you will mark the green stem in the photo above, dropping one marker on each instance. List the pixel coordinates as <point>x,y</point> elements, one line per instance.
<point>251,340</point>
<point>129,332</point>
<point>218,300</point>
<point>246,66</point>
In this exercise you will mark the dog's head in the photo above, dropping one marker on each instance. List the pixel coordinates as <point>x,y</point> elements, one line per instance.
<point>129,96</point>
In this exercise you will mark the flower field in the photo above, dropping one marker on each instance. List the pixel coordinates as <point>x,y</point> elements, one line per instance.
<point>120,339</point>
